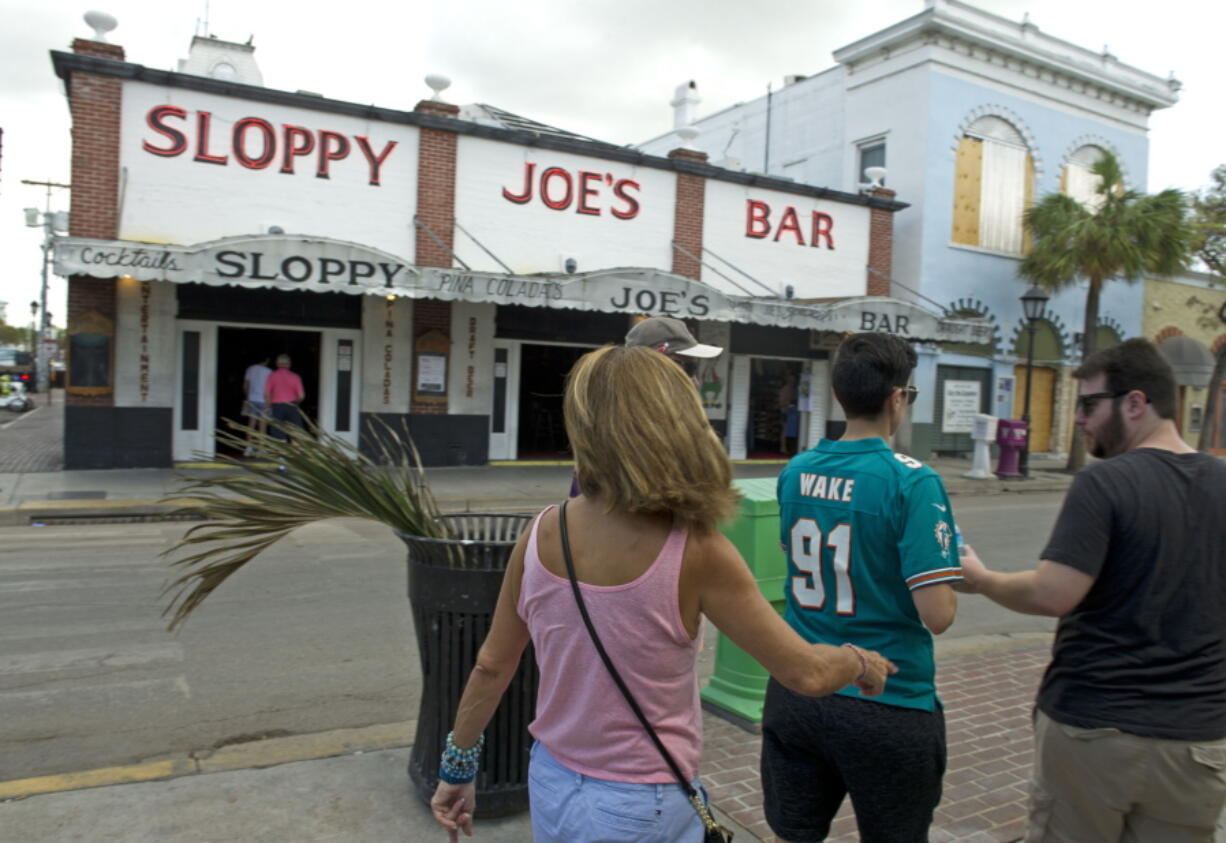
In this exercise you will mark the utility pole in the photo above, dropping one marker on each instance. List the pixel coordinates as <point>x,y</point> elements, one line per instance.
<point>44,380</point>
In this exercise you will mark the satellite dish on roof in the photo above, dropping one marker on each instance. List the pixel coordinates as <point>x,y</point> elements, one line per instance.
<point>101,23</point>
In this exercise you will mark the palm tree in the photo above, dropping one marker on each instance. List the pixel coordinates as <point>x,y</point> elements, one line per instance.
<point>1130,235</point>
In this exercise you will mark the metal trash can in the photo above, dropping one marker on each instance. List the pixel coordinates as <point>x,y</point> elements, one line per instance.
<point>453,589</point>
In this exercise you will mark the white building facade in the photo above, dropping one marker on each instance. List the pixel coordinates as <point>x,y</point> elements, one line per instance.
<point>438,270</point>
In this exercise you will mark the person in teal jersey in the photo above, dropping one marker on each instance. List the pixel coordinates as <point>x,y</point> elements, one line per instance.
<point>869,536</point>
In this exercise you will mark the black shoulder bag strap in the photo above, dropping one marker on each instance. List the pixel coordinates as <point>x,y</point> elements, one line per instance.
<point>714,832</point>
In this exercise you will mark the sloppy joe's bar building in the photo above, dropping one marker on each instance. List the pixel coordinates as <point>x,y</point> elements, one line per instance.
<point>440,268</point>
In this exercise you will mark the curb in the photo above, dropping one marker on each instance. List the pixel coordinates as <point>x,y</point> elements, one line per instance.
<point>966,486</point>
<point>243,756</point>
<point>26,514</point>
<point>52,512</point>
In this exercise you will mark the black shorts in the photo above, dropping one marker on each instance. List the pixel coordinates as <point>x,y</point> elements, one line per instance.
<point>287,414</point>
<point>816,750</point>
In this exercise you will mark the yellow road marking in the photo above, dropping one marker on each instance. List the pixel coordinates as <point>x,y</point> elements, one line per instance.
<point>265,753</point>
<point>98,778</point>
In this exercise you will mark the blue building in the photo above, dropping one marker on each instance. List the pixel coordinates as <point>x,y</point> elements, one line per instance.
<point>970,117</point>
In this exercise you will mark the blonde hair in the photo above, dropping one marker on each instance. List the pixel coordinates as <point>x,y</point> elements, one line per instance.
<point>642,442</point>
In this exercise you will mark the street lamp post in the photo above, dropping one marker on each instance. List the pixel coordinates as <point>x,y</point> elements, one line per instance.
<point>1033,302</point>
<point>34,329</point>
<point>50,222</point>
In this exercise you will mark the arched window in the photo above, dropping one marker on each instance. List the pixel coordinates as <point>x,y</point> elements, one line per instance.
<point>1047,345</point>
<point>993,180</point>
<point>1106,337</point>
<point>1078,181</point>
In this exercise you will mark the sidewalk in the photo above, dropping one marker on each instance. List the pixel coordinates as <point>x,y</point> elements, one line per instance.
<point>33,441</point>
<point>44,497</point>
<point>987,685</point>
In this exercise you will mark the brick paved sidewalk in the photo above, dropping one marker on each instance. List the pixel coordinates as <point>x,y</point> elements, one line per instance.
<point>988,697</point>
<point>33,441</point>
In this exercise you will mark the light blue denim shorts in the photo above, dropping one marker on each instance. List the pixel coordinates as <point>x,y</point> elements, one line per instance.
<point>569,807</point>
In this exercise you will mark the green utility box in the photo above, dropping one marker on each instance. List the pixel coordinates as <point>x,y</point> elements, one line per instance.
<point>737,689</point>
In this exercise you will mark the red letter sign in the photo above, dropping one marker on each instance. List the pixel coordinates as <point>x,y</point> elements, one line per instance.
<point>757,219</point>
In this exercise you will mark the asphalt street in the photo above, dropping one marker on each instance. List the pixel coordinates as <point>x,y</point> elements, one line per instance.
<point>315,635</point>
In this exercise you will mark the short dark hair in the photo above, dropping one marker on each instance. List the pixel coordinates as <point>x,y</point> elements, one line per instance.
<point>867,368</point>
<point>1134,364</point>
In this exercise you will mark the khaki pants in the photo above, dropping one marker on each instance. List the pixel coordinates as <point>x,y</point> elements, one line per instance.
<point>1092,785</point>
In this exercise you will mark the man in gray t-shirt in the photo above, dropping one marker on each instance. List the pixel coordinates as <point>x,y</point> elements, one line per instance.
<point>1130,735</point>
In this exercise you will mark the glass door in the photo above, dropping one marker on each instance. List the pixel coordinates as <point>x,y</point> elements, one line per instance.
<point>195,398</point>
<point>504,414</point>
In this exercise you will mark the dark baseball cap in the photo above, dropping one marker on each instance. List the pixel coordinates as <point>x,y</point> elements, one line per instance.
<point>669,335</point>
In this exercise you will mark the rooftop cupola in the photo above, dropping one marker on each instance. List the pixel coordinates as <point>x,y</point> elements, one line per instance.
<point>226,61</point>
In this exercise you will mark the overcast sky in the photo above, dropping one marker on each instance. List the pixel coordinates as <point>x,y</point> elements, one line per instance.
<point>604,68</point>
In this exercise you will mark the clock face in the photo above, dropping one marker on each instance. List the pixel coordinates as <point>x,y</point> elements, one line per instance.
<point>224,71</point>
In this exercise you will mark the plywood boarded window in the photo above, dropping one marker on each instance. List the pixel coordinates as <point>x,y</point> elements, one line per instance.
<point>1077,180</point>
<point>993,178</point>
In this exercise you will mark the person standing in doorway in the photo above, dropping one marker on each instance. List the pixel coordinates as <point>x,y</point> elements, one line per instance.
<point>254,408</point>
<point>1130,728</point>
<point>869,537</point>
<point>283,393</point>
<point>673,339</point>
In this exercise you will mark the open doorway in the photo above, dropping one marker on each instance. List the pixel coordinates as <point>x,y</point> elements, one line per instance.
<point>238,348</point>
<point>543,370</point>
<point>773,428</point>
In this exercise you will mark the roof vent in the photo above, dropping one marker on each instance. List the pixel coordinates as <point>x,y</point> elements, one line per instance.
<point>438,83</point>
<point>683,102</point>
<point>101,23</point>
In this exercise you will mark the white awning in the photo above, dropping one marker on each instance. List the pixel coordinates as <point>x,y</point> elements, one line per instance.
<point>274,261</point>
<point>1191,361</point>
<point>287,262</point>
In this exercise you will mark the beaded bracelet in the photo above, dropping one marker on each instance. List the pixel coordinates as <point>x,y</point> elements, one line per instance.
<point>863,662</point>
<point>459,766</point>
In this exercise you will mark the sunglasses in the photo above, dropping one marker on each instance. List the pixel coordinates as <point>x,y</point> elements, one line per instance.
<point>912,392</point>
<point>1087,403</point>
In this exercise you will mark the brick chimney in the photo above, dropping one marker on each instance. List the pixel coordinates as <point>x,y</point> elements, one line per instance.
<point>436,166</point>
<point>95,103</point>
<point>688,215</point>
<point>880,245</point>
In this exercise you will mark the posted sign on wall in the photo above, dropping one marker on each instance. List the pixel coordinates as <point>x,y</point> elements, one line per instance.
<point>961,406</point>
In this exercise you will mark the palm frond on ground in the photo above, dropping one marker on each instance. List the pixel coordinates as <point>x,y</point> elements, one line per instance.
<point>309,477</point>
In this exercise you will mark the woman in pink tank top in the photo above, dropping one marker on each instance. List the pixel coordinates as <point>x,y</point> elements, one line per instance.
<point>655,484</point>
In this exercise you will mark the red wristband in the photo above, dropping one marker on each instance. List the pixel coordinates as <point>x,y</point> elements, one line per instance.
<point>863,662</point>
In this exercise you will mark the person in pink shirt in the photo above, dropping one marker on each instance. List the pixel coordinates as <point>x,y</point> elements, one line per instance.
<point>650,563</point>
<point>283,393</point>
